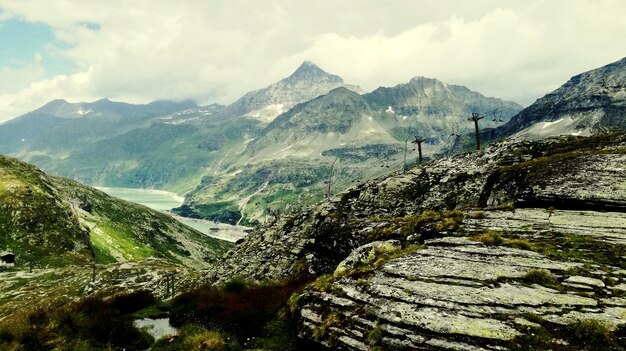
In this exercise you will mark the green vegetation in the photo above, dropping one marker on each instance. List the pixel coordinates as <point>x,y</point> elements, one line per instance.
<point>490,237</point>
<point>431,223</point>
<point>376,259</point>
<point>581,248</point>
<point>477,215</point>
<point>230,317</point>
<point>330,320</point>
<point>363,153</point>
<point>221,211</point>
<point>593,334</point>
<point>585,334</point>
<point>494,238</point>
<point>34,224</point>
<point>195,337</point>
<point>92,324</point>
<point>52,221</point>
<point>540,276</point>
<point>126,231</point>
<point>244,310</point>
<point>108,241</point>
<point>323,283</point>
<point>375,336</point>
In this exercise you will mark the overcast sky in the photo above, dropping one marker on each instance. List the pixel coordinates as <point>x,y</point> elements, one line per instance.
<point>214,51</point>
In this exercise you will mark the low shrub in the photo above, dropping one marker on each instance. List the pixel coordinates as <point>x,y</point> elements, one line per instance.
<point>195,337</point>
<point>241,310</point>
<point>490,237</point>
<point>94,323</point>
<point>477,215</point>
<point>495,238</point>
<point>593,334</point>
<point>507,206</point>
<point>375,336</point>
<point>539,276</point>
<point>521,244</point>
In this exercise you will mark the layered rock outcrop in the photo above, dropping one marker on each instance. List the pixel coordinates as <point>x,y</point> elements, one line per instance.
<point>460,294</point>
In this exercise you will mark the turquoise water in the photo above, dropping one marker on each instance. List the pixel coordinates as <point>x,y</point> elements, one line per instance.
<point>164,201</point>
<point>155,199</point>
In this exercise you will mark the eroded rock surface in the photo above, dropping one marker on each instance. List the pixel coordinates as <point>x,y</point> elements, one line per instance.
<point>456,294</point>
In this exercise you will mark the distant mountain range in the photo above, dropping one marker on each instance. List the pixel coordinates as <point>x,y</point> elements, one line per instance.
<point>288,161</point>
<point>281,145</point>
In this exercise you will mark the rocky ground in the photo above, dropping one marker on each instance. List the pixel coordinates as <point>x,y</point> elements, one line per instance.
<point>23,290</point>
<point>520,245</point>
<point>461,294</point>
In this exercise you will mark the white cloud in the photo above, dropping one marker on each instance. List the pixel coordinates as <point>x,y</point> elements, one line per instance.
<point>18,78</point>
<point>218,50</point>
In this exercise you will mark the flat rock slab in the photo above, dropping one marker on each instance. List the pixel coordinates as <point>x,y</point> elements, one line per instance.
<point>455,294</point>
<point>606,226</point>
<point>576,279</point>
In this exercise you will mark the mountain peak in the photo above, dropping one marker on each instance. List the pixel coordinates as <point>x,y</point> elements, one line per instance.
<point>424,80</point>
<point>308,70</point>
<point>51,107</point>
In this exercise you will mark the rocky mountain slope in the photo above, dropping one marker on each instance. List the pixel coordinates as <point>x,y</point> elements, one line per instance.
<point>520,245</point>
<point>356,137</point>
<point>305,83</point>
<point>588,102</point>
<point>52,221</point>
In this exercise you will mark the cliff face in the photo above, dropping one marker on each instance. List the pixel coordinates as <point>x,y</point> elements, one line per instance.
<point>529,261</point>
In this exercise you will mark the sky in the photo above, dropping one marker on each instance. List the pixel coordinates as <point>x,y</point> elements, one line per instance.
<point>214,51</point>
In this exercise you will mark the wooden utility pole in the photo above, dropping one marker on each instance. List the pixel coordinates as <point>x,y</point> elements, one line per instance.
<point>419,140</point>
<point>476,117</point>
<point>330,176</point>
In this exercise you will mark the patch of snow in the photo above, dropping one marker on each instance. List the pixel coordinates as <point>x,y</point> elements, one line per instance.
<point>548,124</point>
<point>267,113</point>
<point>157,328</point>
<point>389,109</point>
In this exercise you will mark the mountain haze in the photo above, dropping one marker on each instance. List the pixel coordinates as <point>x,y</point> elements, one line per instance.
<point>273,147</point>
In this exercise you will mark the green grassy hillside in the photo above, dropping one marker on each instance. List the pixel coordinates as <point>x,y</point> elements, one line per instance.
<point>54,221</point>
